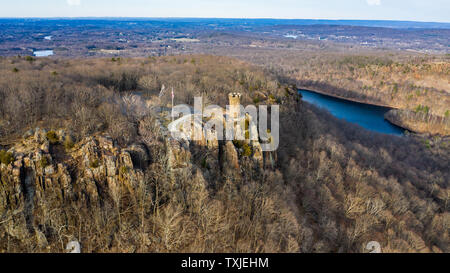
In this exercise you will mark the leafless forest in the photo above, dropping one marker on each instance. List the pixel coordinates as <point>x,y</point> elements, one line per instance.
<point>333,187</point>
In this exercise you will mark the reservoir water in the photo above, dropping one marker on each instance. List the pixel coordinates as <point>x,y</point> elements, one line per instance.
<point>43,53</point>
<point>368,116</point>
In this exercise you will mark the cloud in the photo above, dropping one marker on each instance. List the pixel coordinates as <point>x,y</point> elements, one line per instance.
<point>374,2</point>
<point>74,2</point>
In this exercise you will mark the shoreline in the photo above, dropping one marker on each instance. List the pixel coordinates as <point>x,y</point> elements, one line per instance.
<point>361,102</point>
<point>345,98</point>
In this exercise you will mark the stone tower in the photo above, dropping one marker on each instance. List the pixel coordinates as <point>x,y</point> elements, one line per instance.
<point>235,103</point>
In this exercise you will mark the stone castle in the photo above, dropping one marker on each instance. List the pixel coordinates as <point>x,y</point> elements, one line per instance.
<point>243,128</point>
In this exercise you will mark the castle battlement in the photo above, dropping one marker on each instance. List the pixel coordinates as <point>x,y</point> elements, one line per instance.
<point>235,102</point>
<point>235,98</point>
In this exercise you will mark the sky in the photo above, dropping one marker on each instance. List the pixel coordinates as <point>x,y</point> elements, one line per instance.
<point>411,10</point>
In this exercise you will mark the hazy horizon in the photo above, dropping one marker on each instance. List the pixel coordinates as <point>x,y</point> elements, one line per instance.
<point>223,18</point>
<point>435,11</point>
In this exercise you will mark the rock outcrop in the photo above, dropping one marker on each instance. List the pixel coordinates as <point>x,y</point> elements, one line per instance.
<point>52,179</point>
<point>39,181</point>
<point>419,122</point>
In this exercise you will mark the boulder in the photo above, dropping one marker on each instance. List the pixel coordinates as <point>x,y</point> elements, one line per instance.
<point>40,135</point>
<point>28,134</point>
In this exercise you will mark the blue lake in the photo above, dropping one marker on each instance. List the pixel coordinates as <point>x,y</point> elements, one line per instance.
<point>368,116</point>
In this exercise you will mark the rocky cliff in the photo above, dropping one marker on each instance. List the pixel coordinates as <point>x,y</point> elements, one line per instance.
<point>51,182</point>
<point>419,122</point>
